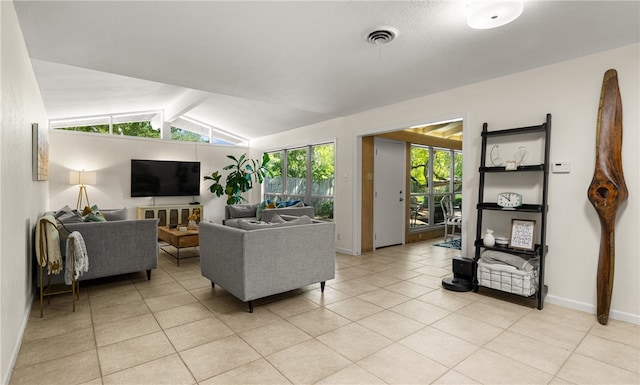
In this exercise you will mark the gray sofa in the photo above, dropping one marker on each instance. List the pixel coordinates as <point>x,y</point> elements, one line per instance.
<point>232,214</point>
<point>270,259</point>
<point>115,247</point>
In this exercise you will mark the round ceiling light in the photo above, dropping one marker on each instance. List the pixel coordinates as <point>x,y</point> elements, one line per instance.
<point>382,35</point>
<point>492,14</point>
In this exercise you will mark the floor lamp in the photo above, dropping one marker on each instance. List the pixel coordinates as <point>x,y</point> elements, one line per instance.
<point>82,178</point>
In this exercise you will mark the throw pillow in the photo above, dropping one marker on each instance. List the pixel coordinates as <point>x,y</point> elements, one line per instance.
<point>115,214</point>
<point>87,210</point>
<point>93,214</point>
<point>271,205</point>
<point>242,211</point>
<point>67,215</point>
<point>253,225</point>
<point>277,219</point>
<point>302,220</point>
<point>94,217</point>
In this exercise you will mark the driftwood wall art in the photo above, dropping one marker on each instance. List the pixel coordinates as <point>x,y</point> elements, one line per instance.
<point>607,189</point>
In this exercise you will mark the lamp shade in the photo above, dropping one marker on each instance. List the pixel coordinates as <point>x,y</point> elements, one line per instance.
<point>483,14</point>
<point>82,177</point>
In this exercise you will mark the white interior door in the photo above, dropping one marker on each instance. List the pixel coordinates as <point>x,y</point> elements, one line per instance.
<point>389,194</point>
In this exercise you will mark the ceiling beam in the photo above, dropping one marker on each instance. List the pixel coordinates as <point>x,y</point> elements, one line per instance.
<point>425,140</point>
<point>425,129</point>
<point>184,103</point>
<point>452,131</point>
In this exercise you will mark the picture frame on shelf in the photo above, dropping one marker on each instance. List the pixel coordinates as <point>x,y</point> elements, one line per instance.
<point>522,234</point>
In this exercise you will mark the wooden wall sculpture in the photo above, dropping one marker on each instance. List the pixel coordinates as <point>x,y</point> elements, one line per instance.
<point>608,189</point>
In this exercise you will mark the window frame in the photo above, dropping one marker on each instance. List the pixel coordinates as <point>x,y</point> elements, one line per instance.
<point>431,194</point>
<point>156,119</point>
<point>309,197</point>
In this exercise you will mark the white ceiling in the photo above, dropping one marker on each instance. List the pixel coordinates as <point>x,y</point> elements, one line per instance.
<point>271,66</point>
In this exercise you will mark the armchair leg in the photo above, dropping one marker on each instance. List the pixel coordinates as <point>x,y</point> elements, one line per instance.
<point>213,284</point>
<point>149,275</point>
<point>250,306</point>
<point>322,286</point>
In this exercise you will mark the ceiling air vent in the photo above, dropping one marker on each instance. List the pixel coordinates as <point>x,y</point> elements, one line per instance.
<point>382,35</point>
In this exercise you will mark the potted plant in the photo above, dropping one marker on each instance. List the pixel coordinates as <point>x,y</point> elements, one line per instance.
<point>244,172</point>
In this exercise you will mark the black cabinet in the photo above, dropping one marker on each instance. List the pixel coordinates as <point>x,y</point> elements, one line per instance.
<point>536,174</point>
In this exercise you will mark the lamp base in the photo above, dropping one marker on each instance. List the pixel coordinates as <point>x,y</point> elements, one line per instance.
<point>79,206</point>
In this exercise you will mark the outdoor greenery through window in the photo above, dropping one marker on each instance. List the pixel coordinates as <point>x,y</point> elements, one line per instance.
<point>304,173</point>
<point>139,129</point>
<point>146,125</point>
<point>187,136</point>
<point>435,173</point>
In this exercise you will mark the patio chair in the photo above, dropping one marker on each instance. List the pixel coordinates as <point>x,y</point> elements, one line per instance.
<point>450,218</point>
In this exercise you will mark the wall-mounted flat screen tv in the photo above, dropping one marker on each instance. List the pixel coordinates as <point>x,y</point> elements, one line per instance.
<point>162,178</point>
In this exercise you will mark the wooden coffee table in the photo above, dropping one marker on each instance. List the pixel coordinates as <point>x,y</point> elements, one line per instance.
<point>179,239</point>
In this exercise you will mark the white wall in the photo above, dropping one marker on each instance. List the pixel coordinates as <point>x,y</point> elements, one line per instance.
<point>21,199</point>
<point>110,156</point>
<point>570,91</point>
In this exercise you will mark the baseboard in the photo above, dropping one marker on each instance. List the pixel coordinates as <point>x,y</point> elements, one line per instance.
<point>591,309</point>
<point>344,251</point>
<point>16,350</point>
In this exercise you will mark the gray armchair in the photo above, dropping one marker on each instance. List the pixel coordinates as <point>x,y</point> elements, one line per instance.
<point>252,264</point>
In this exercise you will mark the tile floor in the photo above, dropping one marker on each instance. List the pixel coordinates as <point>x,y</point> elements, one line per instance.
<point>384,320</point>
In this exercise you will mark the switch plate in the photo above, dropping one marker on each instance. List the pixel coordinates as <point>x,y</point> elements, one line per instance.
<point>561,167</point>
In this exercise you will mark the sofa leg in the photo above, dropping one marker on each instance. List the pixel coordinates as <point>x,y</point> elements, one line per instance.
<point>213,284</point>
<point>322,286</point>
<point>250,306</point>
<point>149,275</point>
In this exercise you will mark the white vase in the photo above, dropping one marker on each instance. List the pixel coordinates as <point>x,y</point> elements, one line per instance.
<point>489,240</point>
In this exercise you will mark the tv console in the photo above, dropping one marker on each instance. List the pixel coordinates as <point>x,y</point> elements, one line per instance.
<point>171,214</point>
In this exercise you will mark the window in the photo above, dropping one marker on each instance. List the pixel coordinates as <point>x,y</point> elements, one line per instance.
<point>96,125</point>
<point>435,173</point>
<point>192,130</point>
<point>187,136</point>
<point>148,125</point>
<point>296,174</point>
<point>139,129</point>
<point>304,173</point>
<point>145,125</point>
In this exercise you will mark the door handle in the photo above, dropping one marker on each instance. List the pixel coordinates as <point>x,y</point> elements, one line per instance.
<point>401,199</point>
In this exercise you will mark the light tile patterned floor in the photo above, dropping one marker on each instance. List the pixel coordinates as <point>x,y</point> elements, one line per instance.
<point>384,320</point>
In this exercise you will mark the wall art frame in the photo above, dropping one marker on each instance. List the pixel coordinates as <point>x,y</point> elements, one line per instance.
<point>522,234</point>
<point>40,153</point>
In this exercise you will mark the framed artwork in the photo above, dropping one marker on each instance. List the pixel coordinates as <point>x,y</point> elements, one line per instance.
<point>522,232</point>
<point>40,153</point>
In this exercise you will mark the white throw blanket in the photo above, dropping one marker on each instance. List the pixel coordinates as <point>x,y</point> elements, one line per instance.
<point>498,257</point>
<point>48,249</point>
<point>77,248</point>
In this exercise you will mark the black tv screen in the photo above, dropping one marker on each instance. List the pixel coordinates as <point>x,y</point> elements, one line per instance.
<point>161,178</point>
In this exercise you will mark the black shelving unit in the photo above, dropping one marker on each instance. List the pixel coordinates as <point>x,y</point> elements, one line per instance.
<point>540,250</point>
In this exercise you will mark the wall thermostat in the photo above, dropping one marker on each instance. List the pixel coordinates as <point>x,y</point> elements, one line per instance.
<point>561,167</point>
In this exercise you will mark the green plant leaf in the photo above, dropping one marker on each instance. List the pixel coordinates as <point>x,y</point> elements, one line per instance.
<point>244,171</point>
